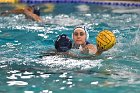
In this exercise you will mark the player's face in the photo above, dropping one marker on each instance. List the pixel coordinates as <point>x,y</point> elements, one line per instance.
<point>79,36</point>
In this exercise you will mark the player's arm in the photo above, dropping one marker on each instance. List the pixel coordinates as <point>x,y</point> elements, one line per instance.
<point>89,49</point>
<point>99,52</point>
<point>15,11</point>
<point>33,16</point>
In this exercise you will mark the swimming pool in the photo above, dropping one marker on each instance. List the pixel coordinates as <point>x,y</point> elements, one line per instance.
<point>22,70</point>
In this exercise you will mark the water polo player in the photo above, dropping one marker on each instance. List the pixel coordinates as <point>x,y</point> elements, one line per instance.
<point>31,11</point>
<point>63,43</point>
<point>80,42</point>
<point>80,37</point>
<point>105,40</point>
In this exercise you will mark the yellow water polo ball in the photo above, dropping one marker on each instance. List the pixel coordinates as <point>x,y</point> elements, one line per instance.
<point>105,40</point>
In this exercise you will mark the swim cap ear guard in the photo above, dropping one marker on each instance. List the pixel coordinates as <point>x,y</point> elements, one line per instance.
<point>63,43</point>
<point>85,29</point>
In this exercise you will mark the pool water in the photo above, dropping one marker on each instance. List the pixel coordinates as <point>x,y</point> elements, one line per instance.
<point>23,68</point>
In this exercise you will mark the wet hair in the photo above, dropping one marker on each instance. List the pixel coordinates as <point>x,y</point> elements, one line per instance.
<point>63,43</point>
<point>84,28</point>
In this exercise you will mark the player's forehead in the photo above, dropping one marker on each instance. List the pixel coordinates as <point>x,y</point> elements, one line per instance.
<point>79,30</point>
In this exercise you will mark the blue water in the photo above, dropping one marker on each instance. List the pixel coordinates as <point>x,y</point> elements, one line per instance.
<point>22,41</point>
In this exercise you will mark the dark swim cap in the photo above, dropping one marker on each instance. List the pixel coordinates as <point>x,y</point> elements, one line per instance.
<point>36,10</point>
<point>63,43</point>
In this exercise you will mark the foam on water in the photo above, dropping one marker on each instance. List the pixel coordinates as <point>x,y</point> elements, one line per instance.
<point>57,62</point>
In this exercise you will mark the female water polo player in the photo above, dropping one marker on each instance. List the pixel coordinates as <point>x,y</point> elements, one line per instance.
<point>64,46</point>
<point>32,12</point>
<point>105,40</point>
<point>80,37</point>
<point>80,46</point>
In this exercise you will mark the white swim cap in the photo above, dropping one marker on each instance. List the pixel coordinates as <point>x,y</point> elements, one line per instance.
<point>85,29</point>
